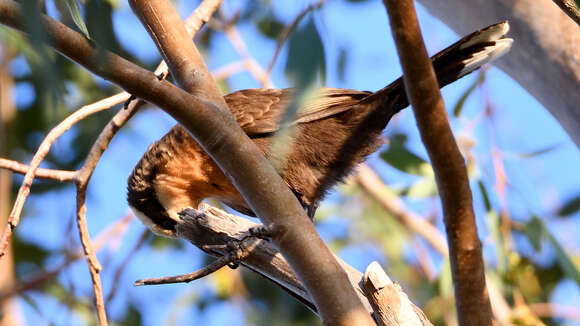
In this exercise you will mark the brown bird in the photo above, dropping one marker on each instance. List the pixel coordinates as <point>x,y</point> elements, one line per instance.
<point>333,133</point>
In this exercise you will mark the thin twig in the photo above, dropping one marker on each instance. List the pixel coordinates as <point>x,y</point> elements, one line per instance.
<point>193,24</point>
<point>121,268</point>
<point>233,35</point>
<point>43,149</point>
<point>17,167</point>
<point>229,70</point>
<point>422,88</point>
<point>84,174</point>
<point>30,282</point>
<point>286,32</point>
<point>371,184</point>
<point>186,278</point>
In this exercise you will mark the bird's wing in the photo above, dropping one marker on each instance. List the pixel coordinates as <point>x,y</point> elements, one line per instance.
<point>260,111</point>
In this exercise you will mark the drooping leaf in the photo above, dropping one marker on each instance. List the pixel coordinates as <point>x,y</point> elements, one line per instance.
<point>484,195</point>
<point>423,188</point>
<point>398,156</point>
<point>341,63</point>
<point>461,102</point>
<point>534,231</point>
<point>539,152</point>
<point>74,11</point>
<point>306,56</point>
<point>570,207</point>
<point>270,26</point>
<point>537,231</point>
<point>133,316</point>
<point>26,252</point>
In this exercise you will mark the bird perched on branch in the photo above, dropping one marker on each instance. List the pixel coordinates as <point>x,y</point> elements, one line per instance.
<point>333,132</point>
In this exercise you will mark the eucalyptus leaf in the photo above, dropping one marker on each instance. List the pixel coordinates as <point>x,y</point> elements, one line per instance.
<point>306,56</point>
<point>537,231</point>
<point>570,207</point>
<point>74,11</point>
<point>540,151</point>
<point>398,156</point>
<point>461,102</point>
<point>424,188</point>
<point>484,195</point>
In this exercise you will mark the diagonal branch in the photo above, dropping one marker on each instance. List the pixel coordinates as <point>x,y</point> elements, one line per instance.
<point>43,149</point>
<point>570,7</point>
<point>472,300</point>
<point>216,131</point>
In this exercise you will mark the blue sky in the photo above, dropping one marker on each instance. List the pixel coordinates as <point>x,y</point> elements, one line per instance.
<point>521,125</point>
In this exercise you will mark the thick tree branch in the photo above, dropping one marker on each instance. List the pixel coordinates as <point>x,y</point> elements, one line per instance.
<point>545,59</point>
<point>375,188</point>
<point>472,300</point>
<point>215,130</point>
<point>212,225</point>
<point>570,8</point>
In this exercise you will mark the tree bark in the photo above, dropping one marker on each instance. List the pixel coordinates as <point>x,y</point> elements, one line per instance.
<point>422,88</point>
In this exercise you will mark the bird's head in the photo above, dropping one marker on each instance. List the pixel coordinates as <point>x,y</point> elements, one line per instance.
<point>147,207</point>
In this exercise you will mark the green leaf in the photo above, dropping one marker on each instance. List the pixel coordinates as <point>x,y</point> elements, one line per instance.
<point>402,159</point>
<point>341,63</point>
<point>537,231</point>
<point>75,13</point>
<point>534,230</point>
<point>460,103</point>
<point>540,151</point>
<point>424,188</point>
<point>484,195</point>
<point>445,280</point>
<point>570,207</point>
<point>306,56</point>
<point>26,252</point>
<point>270,26</point>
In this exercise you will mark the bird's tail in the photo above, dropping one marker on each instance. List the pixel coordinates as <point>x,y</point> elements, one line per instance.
<point>460,59</point>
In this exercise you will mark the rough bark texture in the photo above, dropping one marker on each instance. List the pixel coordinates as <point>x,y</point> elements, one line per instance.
<point>222,138</point>
<point>467,269</point>
<point>545,58</point>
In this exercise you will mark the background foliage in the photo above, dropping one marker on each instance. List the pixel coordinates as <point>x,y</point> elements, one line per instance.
<point>521,164</point>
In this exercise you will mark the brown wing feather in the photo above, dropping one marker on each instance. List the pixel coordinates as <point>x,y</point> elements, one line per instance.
<point>259,111</point>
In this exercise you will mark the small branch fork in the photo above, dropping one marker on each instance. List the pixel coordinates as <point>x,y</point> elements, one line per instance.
<point>246,246</point>
<point>82,176</point>
<point>235,253</point>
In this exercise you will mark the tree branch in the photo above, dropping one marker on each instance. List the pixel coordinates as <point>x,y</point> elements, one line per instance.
<point>375,188</point>
<point>215,130</point>
<point>17,167</point>
<point>43,149</point>
<point>570,8</point>
<point>472,300</point>
<point>390,304</point>
<point>212,225</point>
